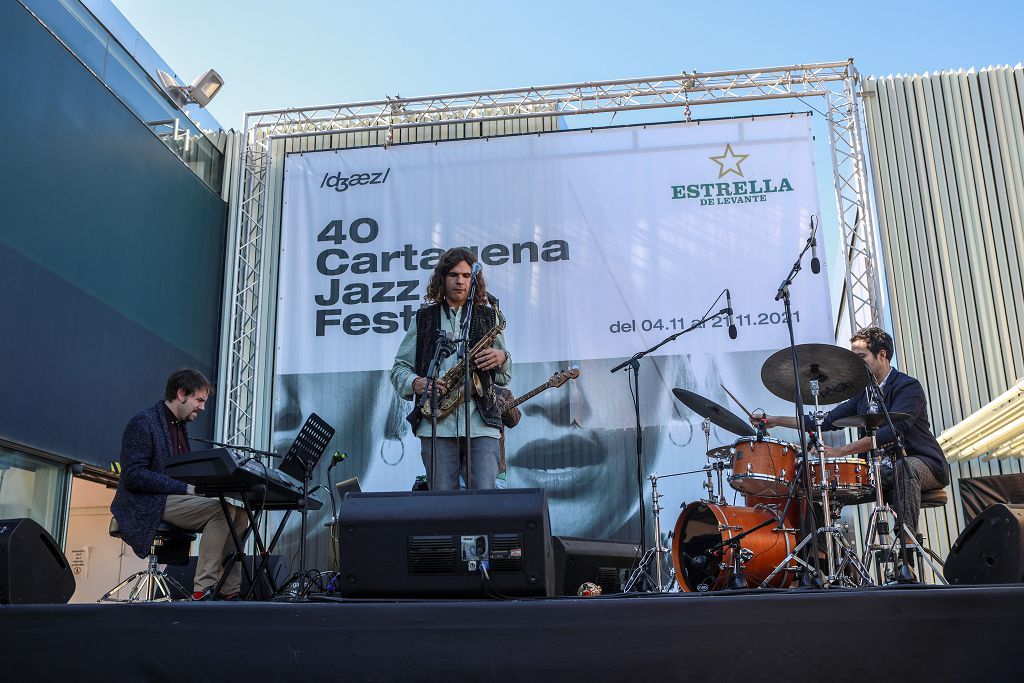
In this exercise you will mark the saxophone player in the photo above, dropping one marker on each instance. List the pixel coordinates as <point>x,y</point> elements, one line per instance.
<point>446,296</point>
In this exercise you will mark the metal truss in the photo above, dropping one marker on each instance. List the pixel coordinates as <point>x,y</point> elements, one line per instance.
<point>837,82</point>
<point>861,292</point>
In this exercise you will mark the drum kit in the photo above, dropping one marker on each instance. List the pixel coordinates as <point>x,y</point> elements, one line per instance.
<point>785,493</point>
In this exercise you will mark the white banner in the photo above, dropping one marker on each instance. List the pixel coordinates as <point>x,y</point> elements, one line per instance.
<point>598,244</point>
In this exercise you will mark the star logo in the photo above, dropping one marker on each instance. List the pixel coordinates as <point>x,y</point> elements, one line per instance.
<point>729,162</point>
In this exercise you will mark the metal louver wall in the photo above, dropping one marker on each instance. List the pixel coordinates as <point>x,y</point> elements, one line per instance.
<point>947,159</point>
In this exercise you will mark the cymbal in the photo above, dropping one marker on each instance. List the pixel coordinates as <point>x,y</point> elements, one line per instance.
<point>841,373</point>
<point>722,452</point>
<point>712,411</point>
<point>868,420</point>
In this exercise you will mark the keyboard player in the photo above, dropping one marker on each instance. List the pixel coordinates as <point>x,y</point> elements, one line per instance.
<point>146,494</point>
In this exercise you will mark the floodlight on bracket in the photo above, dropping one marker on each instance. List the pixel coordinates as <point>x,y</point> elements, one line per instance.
<point>203,89</point>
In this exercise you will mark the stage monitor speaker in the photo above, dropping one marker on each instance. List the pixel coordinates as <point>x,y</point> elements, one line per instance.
<point>33,569</point>
<point>606,563</point>
<point>432,544</point>
<point>990,549</point>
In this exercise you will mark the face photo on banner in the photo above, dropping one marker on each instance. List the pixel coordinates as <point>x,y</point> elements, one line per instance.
<point>599,244</point>
<point>369,422</point>
<point>578,442</point>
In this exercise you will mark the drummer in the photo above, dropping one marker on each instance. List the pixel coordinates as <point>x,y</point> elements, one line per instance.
<point>925,467</point>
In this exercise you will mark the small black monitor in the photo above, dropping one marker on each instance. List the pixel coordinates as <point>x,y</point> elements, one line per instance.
<point>579,560</point>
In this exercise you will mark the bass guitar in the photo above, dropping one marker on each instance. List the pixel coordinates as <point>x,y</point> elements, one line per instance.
<point>510,414</point>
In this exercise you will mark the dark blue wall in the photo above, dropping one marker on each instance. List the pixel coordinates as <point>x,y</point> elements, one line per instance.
<point>111,255</point>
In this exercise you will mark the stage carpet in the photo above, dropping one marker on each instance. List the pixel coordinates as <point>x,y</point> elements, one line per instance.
<point>912,633</point>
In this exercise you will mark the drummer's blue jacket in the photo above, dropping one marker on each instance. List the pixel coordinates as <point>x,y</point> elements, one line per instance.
<point>902,394</point>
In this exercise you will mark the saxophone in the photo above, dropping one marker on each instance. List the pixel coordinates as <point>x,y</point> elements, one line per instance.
<point>451,397</point>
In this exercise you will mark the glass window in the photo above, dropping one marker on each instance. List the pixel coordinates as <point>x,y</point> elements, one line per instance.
<point>35,487</point>
<point>77,28</point>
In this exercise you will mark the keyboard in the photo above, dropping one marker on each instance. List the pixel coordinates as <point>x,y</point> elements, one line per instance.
<point>222,471</point>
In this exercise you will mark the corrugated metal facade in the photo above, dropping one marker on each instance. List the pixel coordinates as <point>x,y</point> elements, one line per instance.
<point>946,159</point>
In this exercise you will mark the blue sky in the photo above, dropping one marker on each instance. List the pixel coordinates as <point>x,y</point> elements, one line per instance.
<point>276,54</point>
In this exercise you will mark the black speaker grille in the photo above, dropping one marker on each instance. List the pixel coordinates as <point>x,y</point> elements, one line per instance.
<point>506,553</point>
<point>432,554</point>
<point>609,579</point>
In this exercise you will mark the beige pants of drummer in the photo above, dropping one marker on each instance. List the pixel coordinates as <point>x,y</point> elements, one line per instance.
<point>196,512</point>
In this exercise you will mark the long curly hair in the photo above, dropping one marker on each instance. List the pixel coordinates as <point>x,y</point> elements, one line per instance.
<point>450,259</point>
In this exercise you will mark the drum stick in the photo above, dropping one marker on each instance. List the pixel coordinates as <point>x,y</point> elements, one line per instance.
<point>742,407</point>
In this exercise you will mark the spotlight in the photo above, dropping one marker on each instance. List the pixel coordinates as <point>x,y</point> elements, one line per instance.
<point>202,90</point>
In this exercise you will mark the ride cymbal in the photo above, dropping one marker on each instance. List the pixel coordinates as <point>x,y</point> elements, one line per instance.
<point>840,373</point>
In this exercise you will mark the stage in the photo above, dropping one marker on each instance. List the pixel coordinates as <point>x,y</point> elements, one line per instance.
<point>914,633</point>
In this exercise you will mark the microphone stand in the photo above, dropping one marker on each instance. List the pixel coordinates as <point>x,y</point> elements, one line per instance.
<point>783,294</point>
<point>634,363</point>
<point>467,382</point>
<point>443,348</point>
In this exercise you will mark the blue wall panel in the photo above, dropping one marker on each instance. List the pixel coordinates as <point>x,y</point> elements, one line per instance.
<point>111,255</point>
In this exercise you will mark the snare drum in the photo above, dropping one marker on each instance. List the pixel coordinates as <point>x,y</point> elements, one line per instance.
<point>763,467</point>
<point>705,562</point>
<point>848,478</point>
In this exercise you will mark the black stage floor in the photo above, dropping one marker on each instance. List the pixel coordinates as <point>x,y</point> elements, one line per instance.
<point>911,633</point>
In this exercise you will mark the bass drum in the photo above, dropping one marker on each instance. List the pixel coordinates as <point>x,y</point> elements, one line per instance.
<point>704,559</point>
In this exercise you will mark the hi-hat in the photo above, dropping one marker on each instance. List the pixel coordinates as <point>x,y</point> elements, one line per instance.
<point>722,452</point>
<point>868,420</point>
<point>715,413</point>
<point>841,373</point>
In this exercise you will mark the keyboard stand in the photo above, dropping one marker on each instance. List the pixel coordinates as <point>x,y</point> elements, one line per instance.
<point>261,569</point>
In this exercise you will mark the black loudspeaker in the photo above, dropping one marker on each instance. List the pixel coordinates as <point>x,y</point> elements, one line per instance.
<point>33,570</point>
<point>606,563</point>
<point>434,543</point>
<point>990,549</point>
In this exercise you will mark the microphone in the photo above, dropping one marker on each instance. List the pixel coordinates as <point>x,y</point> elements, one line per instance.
<point>476,270</point>
<point>815,263</point>
<point>335,459</point>
<point>732,323</point>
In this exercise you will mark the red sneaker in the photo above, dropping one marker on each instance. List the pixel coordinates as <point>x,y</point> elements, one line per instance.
<point>207,595</point>
<point>203,595</point>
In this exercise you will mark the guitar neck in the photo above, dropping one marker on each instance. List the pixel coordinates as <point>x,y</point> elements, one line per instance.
<point>525,397</point>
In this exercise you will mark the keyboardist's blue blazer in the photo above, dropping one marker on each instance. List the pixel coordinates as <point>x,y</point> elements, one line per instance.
<point>144,484</point>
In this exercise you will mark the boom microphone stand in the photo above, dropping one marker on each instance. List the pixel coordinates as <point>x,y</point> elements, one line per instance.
<point>634,364</point>
<point>247,449</point>
<point>783,293</point>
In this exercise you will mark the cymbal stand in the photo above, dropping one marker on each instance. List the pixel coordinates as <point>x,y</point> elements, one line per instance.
<point>794,555</point>
<point>656,553</point>
<point>826,501</point>
<point>833,534</point>
<point>718,467</point>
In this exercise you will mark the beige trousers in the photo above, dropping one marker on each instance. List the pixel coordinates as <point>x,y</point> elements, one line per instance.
<point>195,513</point>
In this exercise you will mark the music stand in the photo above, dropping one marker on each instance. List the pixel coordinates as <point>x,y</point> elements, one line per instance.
<point>299,463</point>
